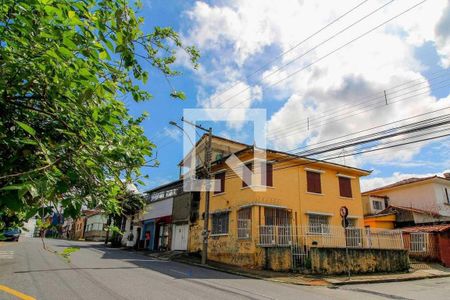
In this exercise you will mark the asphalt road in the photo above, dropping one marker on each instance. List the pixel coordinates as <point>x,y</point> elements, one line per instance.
<point>96,272</point>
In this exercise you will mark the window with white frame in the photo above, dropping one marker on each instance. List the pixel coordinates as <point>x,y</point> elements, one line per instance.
<point>447,195</point>
<point>418,241</point>
<point>377,204</point>
<point>244,217</point>
<point>318,224</point>
<point>220,223</point>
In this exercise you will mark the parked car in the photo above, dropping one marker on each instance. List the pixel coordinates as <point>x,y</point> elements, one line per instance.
<point>12,234</point>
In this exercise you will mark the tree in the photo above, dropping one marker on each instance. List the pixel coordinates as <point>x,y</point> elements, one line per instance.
<point>66,138</point>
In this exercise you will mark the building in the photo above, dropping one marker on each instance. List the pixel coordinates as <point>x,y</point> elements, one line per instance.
<point>301,197</point>
<point>95,226</point>
<point>430,242</point>
<point>68,228</point>
<point>79,224</point>
<point>412,201</point>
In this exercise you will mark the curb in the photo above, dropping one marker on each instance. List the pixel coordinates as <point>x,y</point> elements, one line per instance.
<point>248,275</point>
<point>388,280</point>
<point>328,283</point>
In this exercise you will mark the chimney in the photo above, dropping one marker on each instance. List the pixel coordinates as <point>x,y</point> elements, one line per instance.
<point>447,175</point>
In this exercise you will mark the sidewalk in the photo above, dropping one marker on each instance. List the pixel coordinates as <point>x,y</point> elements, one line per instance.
<point>418,271</point>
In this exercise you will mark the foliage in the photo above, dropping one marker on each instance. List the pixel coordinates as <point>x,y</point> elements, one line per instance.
<point>66,137</point>
<point>114,230</point>
<point>67,252</point>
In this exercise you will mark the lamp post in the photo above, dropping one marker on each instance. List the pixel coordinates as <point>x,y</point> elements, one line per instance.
<point>207,167</point>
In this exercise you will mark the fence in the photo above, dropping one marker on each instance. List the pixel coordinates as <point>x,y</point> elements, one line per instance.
<point>329,236</point>
<point>299,239</point>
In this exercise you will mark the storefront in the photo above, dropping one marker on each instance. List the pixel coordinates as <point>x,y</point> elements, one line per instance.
<point>157,221</point>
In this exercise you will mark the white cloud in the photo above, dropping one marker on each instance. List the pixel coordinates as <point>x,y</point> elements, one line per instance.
<point>238,34</point>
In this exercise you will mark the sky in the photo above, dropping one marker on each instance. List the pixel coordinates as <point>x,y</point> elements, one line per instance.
<point>326,63</point>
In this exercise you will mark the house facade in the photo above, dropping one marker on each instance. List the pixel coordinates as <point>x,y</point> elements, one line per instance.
<point>288,195</point>
<point>429,242</point>
<point>415,200</point>
<point>95,227</point>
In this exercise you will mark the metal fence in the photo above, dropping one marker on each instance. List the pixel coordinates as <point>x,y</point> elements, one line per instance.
<point>329,236</point>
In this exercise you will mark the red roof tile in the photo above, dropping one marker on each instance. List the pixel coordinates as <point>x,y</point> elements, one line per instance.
<point>429,228</point>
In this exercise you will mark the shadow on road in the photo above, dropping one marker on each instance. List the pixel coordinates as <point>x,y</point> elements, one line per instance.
<point>173,269</point>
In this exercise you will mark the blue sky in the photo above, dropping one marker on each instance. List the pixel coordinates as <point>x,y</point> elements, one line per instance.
<point>236,38</point>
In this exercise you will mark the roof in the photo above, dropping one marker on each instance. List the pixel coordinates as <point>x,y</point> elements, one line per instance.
<point>411,209</point>
<point>404,182</point>
<point>295,156</point>
<point>379,215</point>
<point>173,183</point>
<point>428,228</point>
<point>204,136</point>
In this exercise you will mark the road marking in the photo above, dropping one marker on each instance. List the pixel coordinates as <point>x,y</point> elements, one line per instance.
<point>15,293</point>
<point>6,254</point>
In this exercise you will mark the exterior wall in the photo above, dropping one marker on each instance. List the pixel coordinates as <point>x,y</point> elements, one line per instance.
<point>182,208</point>
<point>444,248</point>
<point>427,195</point>
<point>289,191</point>
<point>79,225</point>
<point>432,251</point>
<point>94,227</point>
<point>158,209</point>
<point>334,261</point>
<point>368,204</point>
<point>386,222</point>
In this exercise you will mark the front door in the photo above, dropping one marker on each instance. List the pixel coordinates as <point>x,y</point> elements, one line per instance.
<point>180,237</point>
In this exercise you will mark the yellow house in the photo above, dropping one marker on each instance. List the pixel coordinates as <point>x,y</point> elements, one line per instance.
<point>288,196</point>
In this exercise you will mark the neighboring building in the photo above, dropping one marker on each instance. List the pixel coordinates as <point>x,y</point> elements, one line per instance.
<point>302,198</point>
<point>167,217</point>
<point>428,242</point>
<point>95,227</point>
<point>413,201</point>
<point>68,229</point>
<point>79,224</point>
<point>30,229</point>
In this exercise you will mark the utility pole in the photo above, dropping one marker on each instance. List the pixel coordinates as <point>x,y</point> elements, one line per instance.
<point>207,175</point>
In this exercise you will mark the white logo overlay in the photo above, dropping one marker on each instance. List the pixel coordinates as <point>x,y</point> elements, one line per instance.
<point>251,171</point>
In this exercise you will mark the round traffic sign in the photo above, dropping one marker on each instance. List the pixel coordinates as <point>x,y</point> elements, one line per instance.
<point>343,211</point>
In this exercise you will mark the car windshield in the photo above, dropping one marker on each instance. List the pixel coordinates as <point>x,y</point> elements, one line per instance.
<point>12,231</point>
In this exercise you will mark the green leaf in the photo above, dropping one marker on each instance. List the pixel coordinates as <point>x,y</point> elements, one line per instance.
<point>27,128</point>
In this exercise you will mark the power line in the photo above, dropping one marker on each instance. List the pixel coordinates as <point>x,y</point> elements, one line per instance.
<point>336,49</point>
<point>368,129</point>
<point>345,116</point>
<point>426,124</point>
<point>365,100</point>
<point>311,49</point>
<point>292,48</point>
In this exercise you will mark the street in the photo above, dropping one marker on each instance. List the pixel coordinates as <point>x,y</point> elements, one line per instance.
<point>96,272</point>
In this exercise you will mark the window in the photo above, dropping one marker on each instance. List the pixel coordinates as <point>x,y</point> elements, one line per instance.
<point>277,216</point>
<point>267,177</point>
<point>221,178</point>
<point>377,205</point>
<point>313,182</point>
<point>247,174</point>
<point>418,242</point>
<point>345,187</point>
<point>220,223</point>
<point>244,217</point>
<point>352,222</point>
<point>447,196</point>
<point>318,224</point>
